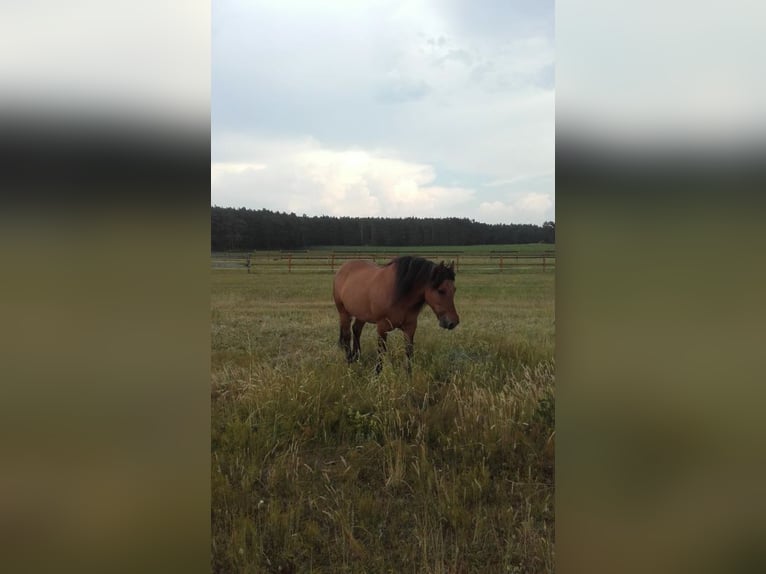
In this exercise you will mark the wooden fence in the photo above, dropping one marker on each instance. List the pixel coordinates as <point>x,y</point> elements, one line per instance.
<point>507,261</point>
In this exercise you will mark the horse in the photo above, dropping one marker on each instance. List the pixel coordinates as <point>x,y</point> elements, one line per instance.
<point>391,296</point>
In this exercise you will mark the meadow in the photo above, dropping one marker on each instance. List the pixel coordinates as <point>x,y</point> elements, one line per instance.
<point>319,466</point>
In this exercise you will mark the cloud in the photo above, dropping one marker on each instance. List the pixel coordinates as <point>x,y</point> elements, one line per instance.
<point>221,169</point>
<point>519,179</point>
<point>535,202</point>
<point>416,83</point>
<point>306,177</point>
<point>398,88</point>
<point>524,208</point>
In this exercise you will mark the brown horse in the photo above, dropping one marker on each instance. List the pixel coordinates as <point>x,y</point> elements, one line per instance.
<point>392,297</point>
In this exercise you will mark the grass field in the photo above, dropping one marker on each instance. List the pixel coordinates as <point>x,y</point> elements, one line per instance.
<point>318,466</point>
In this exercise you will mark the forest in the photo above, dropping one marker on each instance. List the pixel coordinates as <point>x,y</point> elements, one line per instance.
<point>235,229</point>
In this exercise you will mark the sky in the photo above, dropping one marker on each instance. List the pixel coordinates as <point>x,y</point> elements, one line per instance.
<point>385,108</point>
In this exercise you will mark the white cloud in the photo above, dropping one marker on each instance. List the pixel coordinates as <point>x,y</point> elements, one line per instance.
<point>522,208</point>
<point>535,202</point>
<point>223,168</point>
<point>307,178</point>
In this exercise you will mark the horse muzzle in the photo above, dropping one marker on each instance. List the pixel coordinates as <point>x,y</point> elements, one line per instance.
<point>447,323</point>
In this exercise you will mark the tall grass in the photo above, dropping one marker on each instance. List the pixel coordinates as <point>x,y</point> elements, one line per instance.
<point>319,466</point>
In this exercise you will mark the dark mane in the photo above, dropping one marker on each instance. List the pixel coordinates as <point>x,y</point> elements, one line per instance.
<point>412,273</point>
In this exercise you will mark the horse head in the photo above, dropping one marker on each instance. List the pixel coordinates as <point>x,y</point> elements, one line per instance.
<point>440,295</point>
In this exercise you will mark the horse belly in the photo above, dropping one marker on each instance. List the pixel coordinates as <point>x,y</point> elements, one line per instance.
<point>360,294</point>
<point>359,306</point>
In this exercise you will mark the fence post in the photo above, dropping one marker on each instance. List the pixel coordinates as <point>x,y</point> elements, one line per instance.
<point>290,263</point>
<point>457,263</point>
<point>248,264</point>
<point>332,262</point>
<point>543,262</point>
<point>501,264</point>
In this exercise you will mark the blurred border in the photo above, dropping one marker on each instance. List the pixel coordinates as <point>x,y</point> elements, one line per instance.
<point>660,166</point>
<point>105,158</point>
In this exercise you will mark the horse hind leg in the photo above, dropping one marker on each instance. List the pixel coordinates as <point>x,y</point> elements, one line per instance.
<point>356,352</point>
<point>344,339</point>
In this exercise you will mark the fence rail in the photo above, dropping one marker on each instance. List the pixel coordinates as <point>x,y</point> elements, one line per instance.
<point>330,261</point>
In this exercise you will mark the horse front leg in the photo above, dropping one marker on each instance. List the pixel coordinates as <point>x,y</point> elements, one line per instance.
<point>383,329</point>
<point>409,343</point>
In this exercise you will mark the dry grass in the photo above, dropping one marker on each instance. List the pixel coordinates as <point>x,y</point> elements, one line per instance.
<point>323,467</point>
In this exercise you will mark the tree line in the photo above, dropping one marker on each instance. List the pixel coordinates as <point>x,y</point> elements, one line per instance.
<point>235,229</point>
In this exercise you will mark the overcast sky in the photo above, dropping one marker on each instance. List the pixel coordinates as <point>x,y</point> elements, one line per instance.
<point>385,108</point>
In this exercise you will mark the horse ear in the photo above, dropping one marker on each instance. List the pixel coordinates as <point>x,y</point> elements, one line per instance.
<point>451,265</point>
<point>442,263</point>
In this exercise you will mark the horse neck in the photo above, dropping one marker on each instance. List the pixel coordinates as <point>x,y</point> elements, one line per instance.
<point>415,298</point>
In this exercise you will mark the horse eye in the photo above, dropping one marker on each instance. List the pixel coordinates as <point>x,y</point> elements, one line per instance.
<point>442,292</point>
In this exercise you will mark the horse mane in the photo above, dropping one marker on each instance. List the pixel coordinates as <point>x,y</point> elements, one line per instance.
<point>415,272</point>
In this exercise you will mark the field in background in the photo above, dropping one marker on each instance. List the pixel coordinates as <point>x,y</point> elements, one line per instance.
<point>318,466</point>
